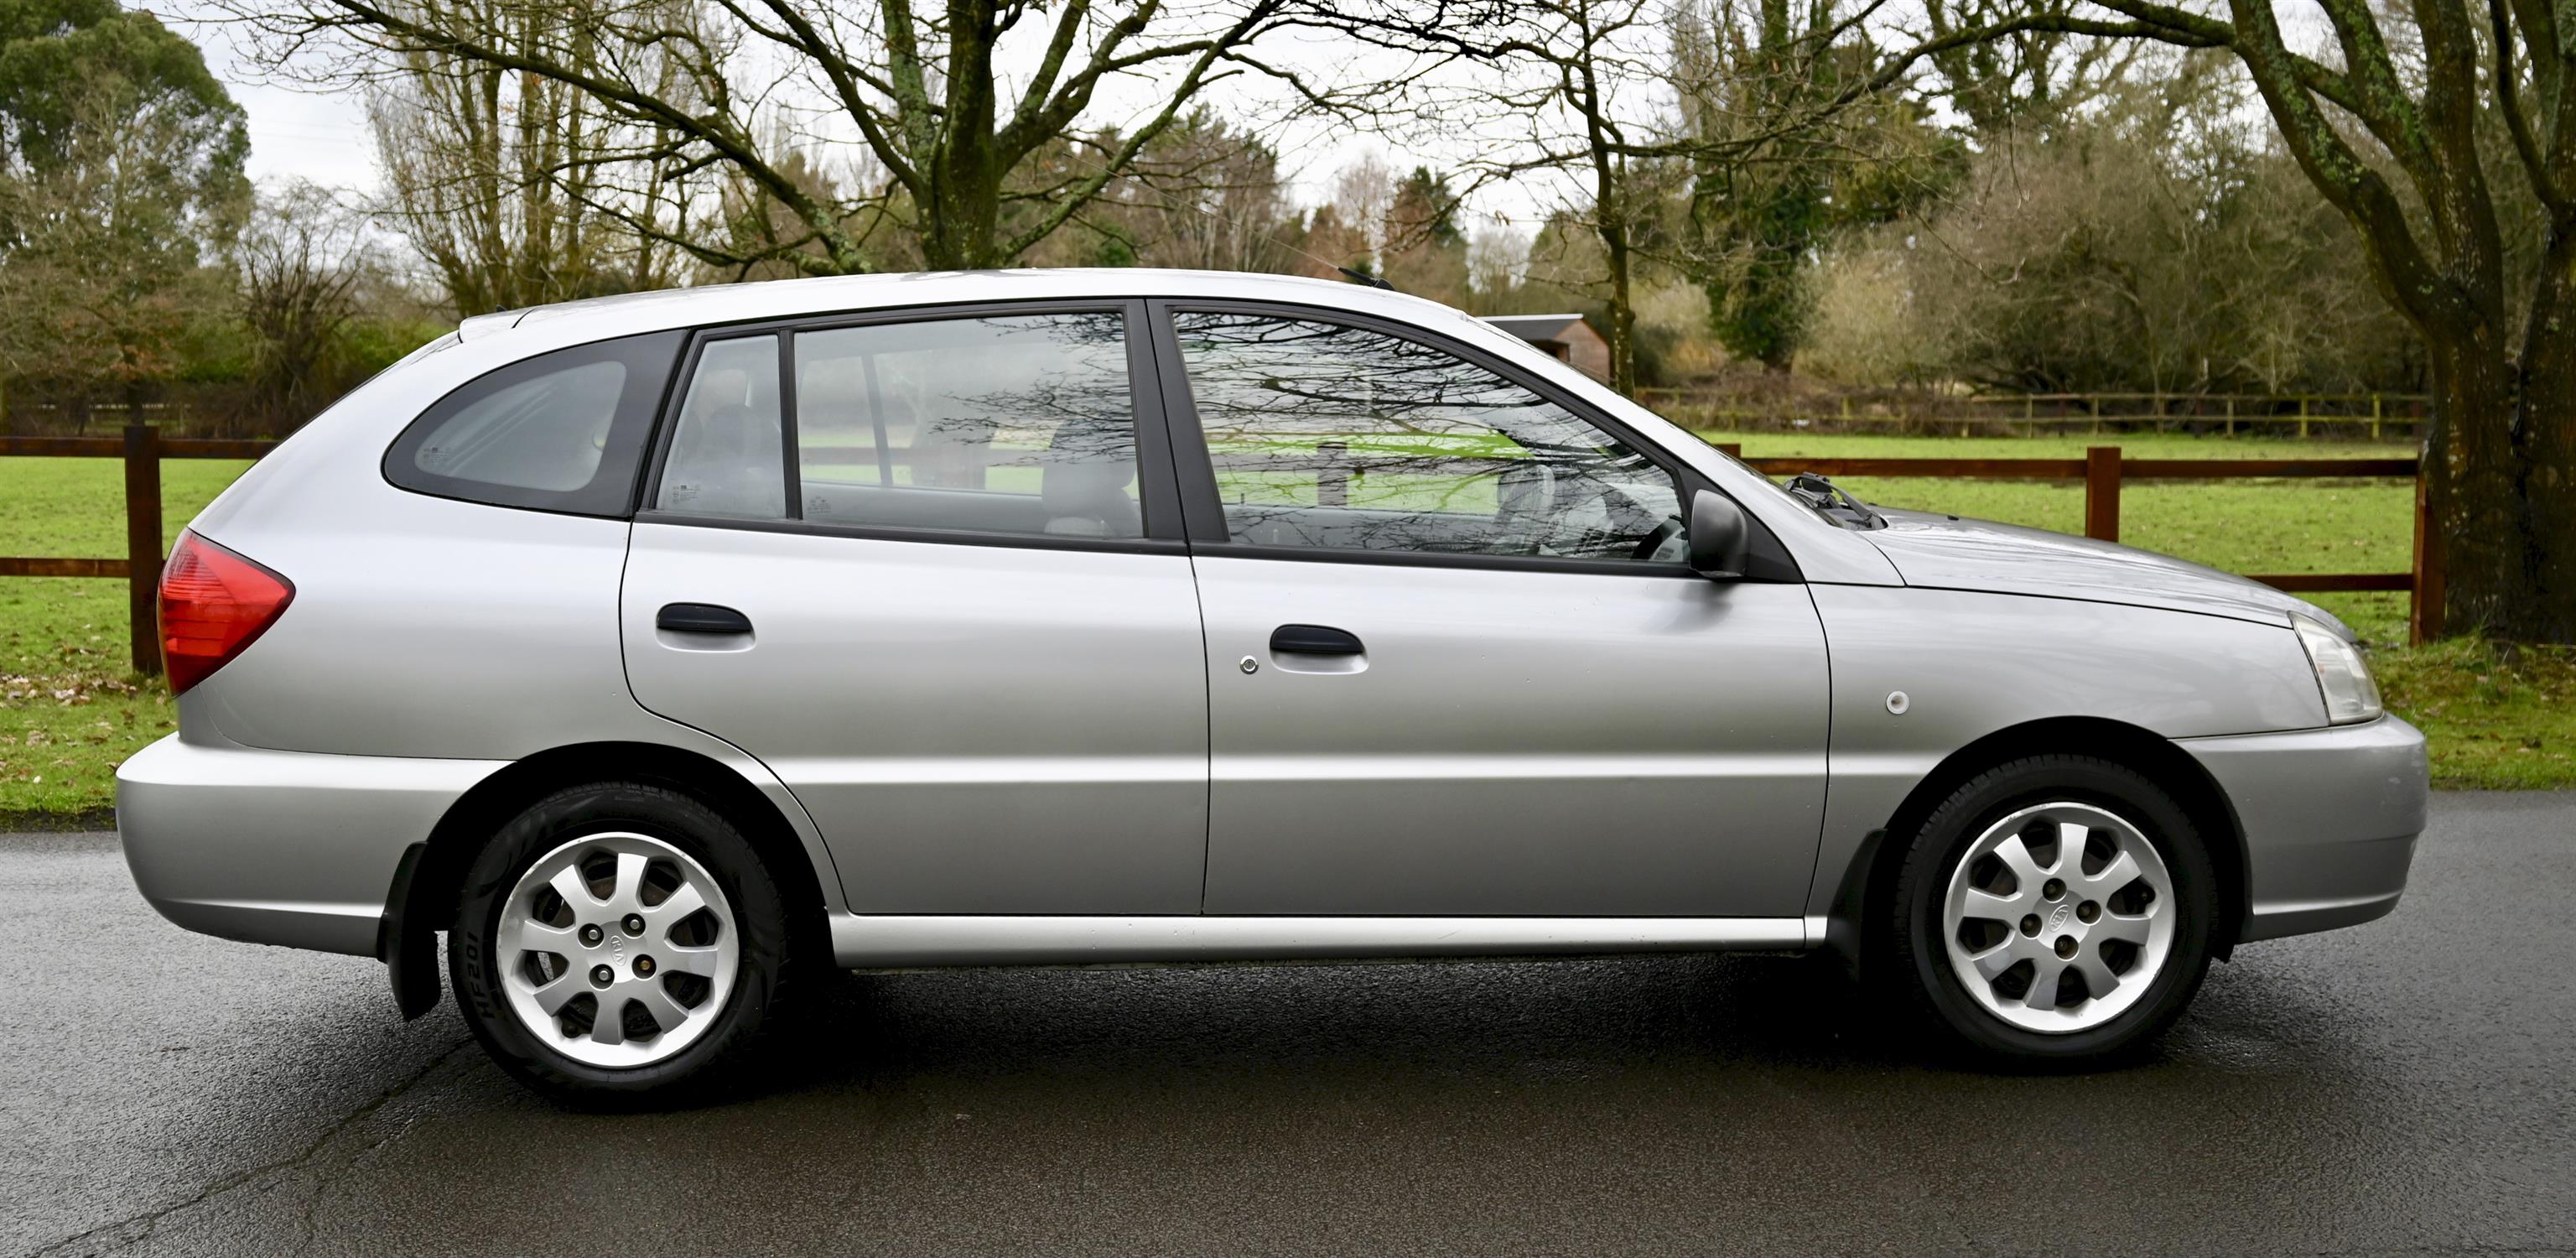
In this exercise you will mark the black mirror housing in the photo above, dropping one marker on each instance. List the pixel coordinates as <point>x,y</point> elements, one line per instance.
<point>1721,539</point>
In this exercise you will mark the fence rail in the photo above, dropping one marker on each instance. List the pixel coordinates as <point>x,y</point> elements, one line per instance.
<point>2102,470</point>
<point>2030,412</point>
<point>142,449</point>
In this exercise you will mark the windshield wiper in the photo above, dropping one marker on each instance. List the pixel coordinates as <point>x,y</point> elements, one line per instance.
<point>1833,501</point>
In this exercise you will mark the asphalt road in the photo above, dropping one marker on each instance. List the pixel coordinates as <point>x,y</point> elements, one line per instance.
<point>2408,1087</point>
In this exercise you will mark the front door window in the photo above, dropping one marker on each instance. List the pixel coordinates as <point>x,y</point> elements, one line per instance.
<point>1332,435</point>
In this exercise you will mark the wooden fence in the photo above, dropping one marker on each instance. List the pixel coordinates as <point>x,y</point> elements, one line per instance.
<point>2102,470</point>
<point>142,449</point>
<point>2341,414</point>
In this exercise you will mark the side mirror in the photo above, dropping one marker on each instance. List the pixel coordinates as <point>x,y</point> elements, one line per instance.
<point>1721,540</point>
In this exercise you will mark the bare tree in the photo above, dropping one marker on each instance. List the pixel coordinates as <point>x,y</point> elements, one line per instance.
<point>504,180</point>
<point>299,265</point>
<point>1591,85</point>
<point>2397,138</point>
<point>2028,75</point>
<point>2161,243</point>
<point>1206,195</point>
<point>1584,61</point>
<point>918,87</point>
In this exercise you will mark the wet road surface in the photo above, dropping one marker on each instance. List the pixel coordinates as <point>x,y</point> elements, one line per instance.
<point>2407,1087</point>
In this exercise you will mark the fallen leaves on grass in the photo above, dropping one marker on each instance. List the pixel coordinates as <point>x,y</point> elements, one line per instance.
<point>67,690</point>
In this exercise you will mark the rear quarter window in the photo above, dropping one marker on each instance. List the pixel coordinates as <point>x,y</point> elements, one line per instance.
<point>564,431</point>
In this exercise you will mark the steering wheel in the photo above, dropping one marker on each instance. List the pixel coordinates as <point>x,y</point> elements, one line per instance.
<point>1664,532</point>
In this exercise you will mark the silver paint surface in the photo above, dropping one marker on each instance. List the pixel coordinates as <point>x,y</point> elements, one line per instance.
<point>282,847</point>
<point>1518,742</point>
<point>2330,817</point>
<point>998,730</point>
<point>1941,552</point>
<point>1974,664</point>
<point>975,729</point>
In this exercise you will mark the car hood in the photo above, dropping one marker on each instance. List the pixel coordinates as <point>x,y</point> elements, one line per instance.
<point>1946,552</point>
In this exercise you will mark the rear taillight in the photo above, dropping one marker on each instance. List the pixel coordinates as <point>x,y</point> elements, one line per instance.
<point>214,603</point>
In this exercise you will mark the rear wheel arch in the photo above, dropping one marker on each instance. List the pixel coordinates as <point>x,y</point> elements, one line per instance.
<point>428,902</point>
<point>1870,882</point>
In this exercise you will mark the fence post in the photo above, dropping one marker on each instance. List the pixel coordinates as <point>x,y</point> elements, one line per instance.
<point>1332,474</point>
<point>2102,493</point>
<point>2424,612</point>
<point>1731,449</point>
<point>143,543</point>
<point>2303,419</point>
<point>2374,419</point>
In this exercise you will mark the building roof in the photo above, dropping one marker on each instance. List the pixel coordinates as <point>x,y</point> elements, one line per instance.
<point>1542,329</point>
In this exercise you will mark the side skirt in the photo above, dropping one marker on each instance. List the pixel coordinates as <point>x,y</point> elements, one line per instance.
<point>899,940</point>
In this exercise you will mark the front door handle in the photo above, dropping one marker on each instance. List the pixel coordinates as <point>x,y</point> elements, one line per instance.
<point>701,618</point>
<point>1314,640</point>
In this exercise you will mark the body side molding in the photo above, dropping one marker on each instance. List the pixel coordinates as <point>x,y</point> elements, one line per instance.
<point>904,940</point>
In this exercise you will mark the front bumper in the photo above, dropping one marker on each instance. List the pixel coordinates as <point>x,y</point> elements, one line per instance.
<point>278,847</point>
<point>2330,818</point>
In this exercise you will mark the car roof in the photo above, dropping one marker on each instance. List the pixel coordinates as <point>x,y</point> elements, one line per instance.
<point>632,313</point>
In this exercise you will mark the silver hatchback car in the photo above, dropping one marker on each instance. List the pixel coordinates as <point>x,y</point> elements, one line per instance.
<point>664,649</point>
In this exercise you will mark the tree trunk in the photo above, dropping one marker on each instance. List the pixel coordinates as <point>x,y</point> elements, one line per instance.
<point>2548,424</point>
<point>2500,469</point>
<point>961,227</point>
<point>1623,316</point>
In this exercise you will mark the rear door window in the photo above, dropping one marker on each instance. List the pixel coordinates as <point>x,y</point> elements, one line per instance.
<point>1008,423</point>
<point>564,431</point>
<point>1004,424</point>
<point>727,454</point>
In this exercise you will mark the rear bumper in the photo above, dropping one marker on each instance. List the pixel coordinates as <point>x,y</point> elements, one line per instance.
<point>278,847</point>
<point>2330,819</point>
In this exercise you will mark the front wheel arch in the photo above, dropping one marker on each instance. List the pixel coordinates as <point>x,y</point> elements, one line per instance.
<point>1869,883</point>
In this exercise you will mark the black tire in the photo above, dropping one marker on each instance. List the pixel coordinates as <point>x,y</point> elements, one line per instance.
<point>1911,925</point>
<point>704,1066</point>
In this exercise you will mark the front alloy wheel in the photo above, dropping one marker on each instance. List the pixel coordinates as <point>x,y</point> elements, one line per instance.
<point>2057,917</point>
<point>2051,909</point>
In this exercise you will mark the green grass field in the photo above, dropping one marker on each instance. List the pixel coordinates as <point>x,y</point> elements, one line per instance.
<point>71,706</point>
<point>71,709</point>
<point>2240,526</point>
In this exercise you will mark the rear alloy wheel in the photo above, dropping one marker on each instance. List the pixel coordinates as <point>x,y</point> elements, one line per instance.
<point>617,949</point>
<point>2054,909</point>
<point>617,940</point>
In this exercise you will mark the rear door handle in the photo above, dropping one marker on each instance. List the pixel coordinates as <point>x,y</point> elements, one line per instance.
<point>701,618</point>
<point>1314,640</point>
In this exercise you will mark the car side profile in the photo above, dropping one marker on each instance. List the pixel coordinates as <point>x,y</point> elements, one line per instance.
<point>666,650</point>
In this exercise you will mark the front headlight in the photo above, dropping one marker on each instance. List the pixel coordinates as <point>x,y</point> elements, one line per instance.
<point>2343,676</point>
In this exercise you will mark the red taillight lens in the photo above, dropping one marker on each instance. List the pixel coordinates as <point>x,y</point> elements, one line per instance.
<point>214,603</point>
